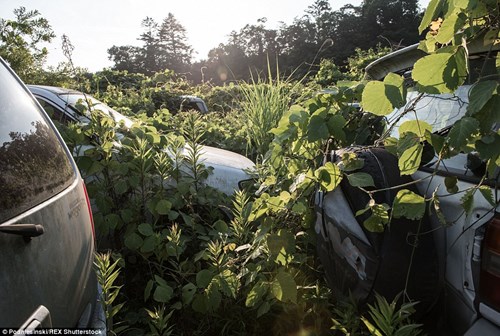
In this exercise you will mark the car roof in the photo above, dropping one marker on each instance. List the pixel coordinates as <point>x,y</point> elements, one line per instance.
<point>53,89</point>
<point>405,58</point>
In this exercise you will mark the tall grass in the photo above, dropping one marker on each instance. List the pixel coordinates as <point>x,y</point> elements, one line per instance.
<point>263,103</point>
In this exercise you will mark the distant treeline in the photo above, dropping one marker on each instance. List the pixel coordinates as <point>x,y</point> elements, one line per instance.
<point>320,33</point>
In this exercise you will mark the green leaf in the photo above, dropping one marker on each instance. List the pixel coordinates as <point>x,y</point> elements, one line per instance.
<point>163,294</point>
<point>381,98</point>
<point>256,294</point>
<point>480,94</point>
<point>214,297</point>
<point>147,290</point>
<point>228,283</point>
<point>378,219</point>
<point>431,13</point>
<point>461,131</point>
<point>133,241</point>
<point>468,201</point>
<point>451,24</point>
<point>489,146</point>
<point>336,124</point>
<point>121,187</point>
<point>281,246</point>
<point>188,292</point>
<point>221,226</point>
<point>200,303</point>
<point>317,129</point>
<point>329,176</point>
<point>409,161</point>
<point>299,208</point>
<point>441,72</point>
<point>418,127</point>
<point>451,184</point>
<point>284,287</point>
<point>149,244</point>
<point>361,180</point>
<point>487,194</point>
<point>263,309</point>
<point>145,229</point>
<point>160,281</point>
<point>409,205</point>
<point>163,207</point>
<point>203,278</point>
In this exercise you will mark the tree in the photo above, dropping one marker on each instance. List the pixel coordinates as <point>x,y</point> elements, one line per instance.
<point>127,58</point>
<point>21,40</point>
<point>164,47</point>
<point>175,53</point>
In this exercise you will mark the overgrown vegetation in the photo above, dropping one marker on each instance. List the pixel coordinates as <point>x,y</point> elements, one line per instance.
<point>197,262</point>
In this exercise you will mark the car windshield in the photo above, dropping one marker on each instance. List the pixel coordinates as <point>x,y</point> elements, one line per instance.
<point>439,111</point>
<point>74,99</point>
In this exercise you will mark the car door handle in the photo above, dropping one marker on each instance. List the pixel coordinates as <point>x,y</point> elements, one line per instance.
<point>25,230</point>
<point>39,319</point>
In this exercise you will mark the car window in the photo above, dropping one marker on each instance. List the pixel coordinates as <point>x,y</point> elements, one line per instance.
<point>33,163</point>
<point>53,112</point>
<point>84,103</point>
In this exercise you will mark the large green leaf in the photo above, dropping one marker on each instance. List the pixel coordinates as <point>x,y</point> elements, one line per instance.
<point>462,131</point>
<point>163,207</point>
<point>336,124</point>
<point>409,205</point>
<point>145,229</point>
<point>256,294</point>
<point>480,94</point>
<point>203,278</point>
<point>163,294</point>
<point>329,176</point>
<point>281,246</point>
<point>410,159</point>
<point>451,24</point>
<point>441,72</point>
<point>417,127</point>
<point>188,292</point>
<point>489,146</point>
<point>361,180</point>
<point>228,283</point>
<point>381,98</point>
<point>317,129</point>
<point>431,13</point>
<point>284,287</point>
<point>133,241</point>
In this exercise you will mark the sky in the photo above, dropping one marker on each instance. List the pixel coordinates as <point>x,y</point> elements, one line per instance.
<point>94,26</point>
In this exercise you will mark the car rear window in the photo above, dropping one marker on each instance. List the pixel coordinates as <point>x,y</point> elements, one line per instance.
<point>33,163</point>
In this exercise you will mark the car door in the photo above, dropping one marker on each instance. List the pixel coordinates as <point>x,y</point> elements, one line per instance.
<point>46,233</point>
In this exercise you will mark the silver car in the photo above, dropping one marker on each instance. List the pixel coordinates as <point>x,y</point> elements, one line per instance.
<point>229,168</point>
<point>453,269</point>
<point>46,228</point>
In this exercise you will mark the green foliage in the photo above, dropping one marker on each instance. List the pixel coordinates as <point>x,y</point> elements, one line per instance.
<point>107,273</point>
<point>390,320</point>
<point>262,106</point>
<point>21,40</point>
